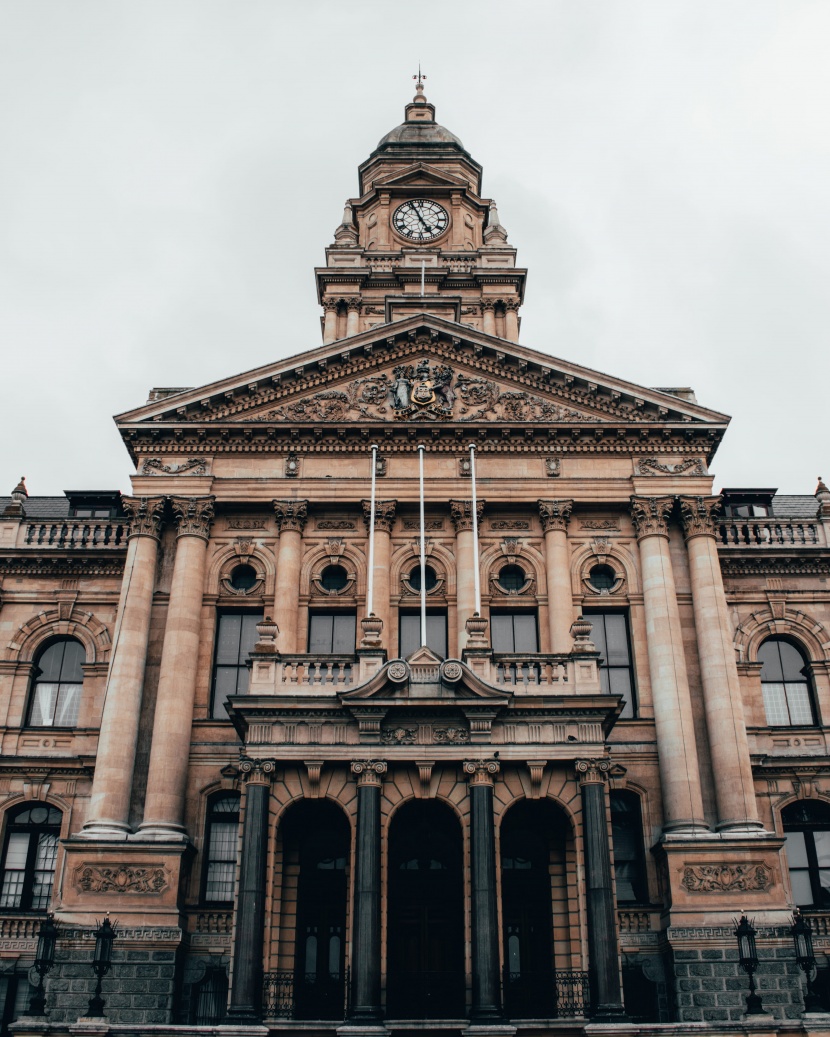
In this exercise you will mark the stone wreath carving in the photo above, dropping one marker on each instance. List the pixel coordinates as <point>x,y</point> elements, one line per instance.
<point>193,466</point>
<point>690,466</point>
<point>727,878</point>
<point>121,879</point>
<point>398,736</point>
<point>450,735</point>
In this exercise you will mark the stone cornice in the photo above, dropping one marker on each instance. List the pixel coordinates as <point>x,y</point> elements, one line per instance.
<point>58,565</point>
<point>773,562</point>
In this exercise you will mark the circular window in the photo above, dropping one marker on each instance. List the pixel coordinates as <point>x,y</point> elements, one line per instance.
<point>334,579</point>
<point>512,578</point>
<point>243,578</point>
<point>430,578</point>
<point>602,578</point>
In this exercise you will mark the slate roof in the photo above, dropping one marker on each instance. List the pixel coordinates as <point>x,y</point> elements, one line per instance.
<point>792,505</point>
<point>41,507</point>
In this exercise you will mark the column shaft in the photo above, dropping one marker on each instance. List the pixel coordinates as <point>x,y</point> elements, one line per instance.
<point>555,515</point>
<point>489,318</point>
<point>673,720</point>
<point>462,516</point>
<point>170,750</point>
<point>109,808</point>
<point>353,318</point>
<point>291,518</point>
<point>246,993</point>
<point>486,1005</point>
<point>511,322</point>
<point>365,1007</point>
<point>330,323</point>
<point>603,950</point>
<point>384,520</point>
<point>725,725</point>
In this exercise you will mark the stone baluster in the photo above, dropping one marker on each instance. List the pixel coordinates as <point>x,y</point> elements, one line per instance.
<point>291,520</point>
<point>677,748</point>
<point>352,316</point>
<point>488,310</point>
<point>603,947</point>
<point>484,934</point>
<point>170,749</point>
<point>109,806</point>
<point>365,1008</point>
<point>329,321</point>
<point>462,517</point>
<point>725,725</point>
<point>555,515</point>
<point>249,930</point>
<point>511,320</point>
<point>384,520</point>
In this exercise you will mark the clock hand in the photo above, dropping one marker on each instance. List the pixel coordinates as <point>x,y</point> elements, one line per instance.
<point>423,221</point>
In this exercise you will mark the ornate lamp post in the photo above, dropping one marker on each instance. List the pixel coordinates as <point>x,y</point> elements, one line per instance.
<point>803,939</point>
<point>44,961</point>
<point>748,960</point>
<point>101,964</point>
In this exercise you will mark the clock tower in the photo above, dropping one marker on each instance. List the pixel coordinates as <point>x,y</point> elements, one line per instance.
<point>420,238</point>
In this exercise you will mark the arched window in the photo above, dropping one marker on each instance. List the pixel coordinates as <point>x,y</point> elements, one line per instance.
<point>807,831</point>
<point>56,686</point>
<point>220,847</point>
<point>786,687</point>
<point>629,857</point>
<point>29,853</point>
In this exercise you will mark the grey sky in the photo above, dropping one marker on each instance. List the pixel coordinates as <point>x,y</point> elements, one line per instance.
<point>170,173</point>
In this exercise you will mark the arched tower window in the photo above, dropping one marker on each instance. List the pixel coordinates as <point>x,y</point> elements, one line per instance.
<point>29,854</point>
<point>221,833</point>
<point>788,700</point>
<point>807,830</point>
<point>56,686</point>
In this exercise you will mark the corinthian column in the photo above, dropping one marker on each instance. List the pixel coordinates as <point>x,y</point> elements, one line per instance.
<point>676,746</point>
<point>734,789</point>
<point>511,320</point>
<point>555,515</point>
<point>170,750</point>
<point>484,933</point>
<point>365,1007</point>
<point>488,309</point>
<point>384,520</point>
<point>352,316</point>
<point>291,520</point>
<point>110,800</point>
<point>461,512</point>
<point>329,321</point>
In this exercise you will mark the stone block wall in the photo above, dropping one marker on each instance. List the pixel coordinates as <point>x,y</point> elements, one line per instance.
<point>710,985</point>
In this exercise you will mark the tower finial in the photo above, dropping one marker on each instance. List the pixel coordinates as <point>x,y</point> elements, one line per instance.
<point>419,97</point>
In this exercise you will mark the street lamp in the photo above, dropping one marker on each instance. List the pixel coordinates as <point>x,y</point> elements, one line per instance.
<point>101,964</point>
<point>47,938</point>
<point>748,960</point>
<point>803,939</point>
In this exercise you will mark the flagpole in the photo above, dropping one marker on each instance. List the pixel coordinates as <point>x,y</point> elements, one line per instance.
<point>370,588</point>
<point>421,449</point>
<point>476,575</point>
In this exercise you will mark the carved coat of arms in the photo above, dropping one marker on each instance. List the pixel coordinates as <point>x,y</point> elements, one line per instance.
<point>421,390</point>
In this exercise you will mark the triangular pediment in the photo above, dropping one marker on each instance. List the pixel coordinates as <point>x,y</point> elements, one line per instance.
<point>420,173</point>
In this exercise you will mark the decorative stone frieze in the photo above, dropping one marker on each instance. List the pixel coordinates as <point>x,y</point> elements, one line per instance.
<point>369,772</point>
<point>651,515</point>
<point>481,772</point>
<point>461,513</point>
<point>257,772</point>
<point>291,514</point>
<point>120,879</point>
<point>384,514</point>
<point>193,515</point>
<point>688,466</point>
<point>699,515</point>
<point>555,514</point>
<point>192,466</point>
<point>146,515</point>
<point>592,772</point>
<point>727,878</point>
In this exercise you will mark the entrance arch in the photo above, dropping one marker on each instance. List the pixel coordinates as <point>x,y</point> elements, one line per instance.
<point>316,839</point>
<point>425,920</point>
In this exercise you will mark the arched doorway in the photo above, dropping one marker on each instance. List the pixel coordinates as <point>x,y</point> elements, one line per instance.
<point>425,920</point>
<point>534,837</point>
<point>316,838</point>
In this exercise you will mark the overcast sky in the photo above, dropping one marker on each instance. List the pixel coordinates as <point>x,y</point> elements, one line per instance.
<point>171,171</point>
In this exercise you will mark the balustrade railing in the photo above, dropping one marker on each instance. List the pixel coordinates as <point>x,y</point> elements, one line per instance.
<point>314,670</point>
<point>634,921</point>
<point>771,532</point>
<point>214,922</point>
<point>530,670</point>
<point>76,534</point>
<point>286,995</point>
<point>20,928</point>
<point>546,994</point>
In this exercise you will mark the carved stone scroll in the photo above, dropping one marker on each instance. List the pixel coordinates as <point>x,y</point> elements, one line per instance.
<point>192,466</point>
<point>727,878</point>
<point>689,465</point>
<point>120,879</point>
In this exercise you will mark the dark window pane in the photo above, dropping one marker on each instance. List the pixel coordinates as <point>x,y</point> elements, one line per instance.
<point>512,578</point>
<point>524,632</point>
<point>430,579</point>
<point>227,639</point>
<point>49,663</point>
<point>334,578</point>
<point>243,577</point>
<point>598,633</point>
<point>792,661</point>
<point>320,632</point>
<point>501,632</point>
<point>248,634</point>
<point>769,655</point>
<point>343,633</point>
<point>410,633</point>
<point>610,634</point>
<point>616,640</point>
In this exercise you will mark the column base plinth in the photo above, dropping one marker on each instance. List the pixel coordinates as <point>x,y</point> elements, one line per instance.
<point>161,832</point>
<point>743,829</point>
<point>490,1029</point>
<point>368,1029</point>
<point>110,831</point>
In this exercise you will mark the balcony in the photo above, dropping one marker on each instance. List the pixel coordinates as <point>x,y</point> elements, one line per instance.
<point>77,534</point>
<point>771,532</point>
<point>546,994</point>
<point>532,671</point>
<point>314,671</point>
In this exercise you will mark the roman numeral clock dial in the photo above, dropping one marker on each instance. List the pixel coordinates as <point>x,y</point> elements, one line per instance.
<point>420,220</point>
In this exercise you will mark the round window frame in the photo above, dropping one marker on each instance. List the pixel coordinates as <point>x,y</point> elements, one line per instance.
<point>347,590</point>
<point>605,592</point>
<point>255,590</point>
<point>409,589</point>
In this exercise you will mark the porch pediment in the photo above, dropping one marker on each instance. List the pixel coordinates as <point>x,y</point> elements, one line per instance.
<point>424,677</point>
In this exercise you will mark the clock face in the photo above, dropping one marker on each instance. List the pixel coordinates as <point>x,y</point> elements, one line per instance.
<point>420,220</point>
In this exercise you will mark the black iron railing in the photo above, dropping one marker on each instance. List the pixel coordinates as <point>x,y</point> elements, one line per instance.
<point>286,995</point>
<point>546,994</point>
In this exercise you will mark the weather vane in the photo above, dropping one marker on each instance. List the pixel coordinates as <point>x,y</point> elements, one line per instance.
<point>419,77</point>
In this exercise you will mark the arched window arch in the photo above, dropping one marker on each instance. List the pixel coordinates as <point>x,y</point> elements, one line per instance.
<point>629,853</point>
<point>29,853</point>
<point>807,831</point>
<point>221,833</point>
<point>56,685</point>
<point>785,683</point>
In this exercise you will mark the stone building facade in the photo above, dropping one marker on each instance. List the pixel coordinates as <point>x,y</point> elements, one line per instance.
<point>533,797</point>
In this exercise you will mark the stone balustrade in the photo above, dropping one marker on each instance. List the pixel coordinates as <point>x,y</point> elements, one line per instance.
<point>80,534</point>
<point>770,532</point>
<point>533,670</point>
<point>314,671</point>
<point>20,927</point>
<point>215,922</point>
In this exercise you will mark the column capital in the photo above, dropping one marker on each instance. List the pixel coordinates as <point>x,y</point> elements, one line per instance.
<point>330,304</point>
<point>555,514</point>
<point>257,772</point>
<point>193,515</point>
<point>146,515</point>
<point>291,514</point>
<point>369,772</point>
<point>699,514</point>
<point>384,514</point>
<point>488,305</point>
<point>353,302</point>
<point>651,515</point>
<point>481,772</point>
<point>592,772</point>
<point>461,513</point>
